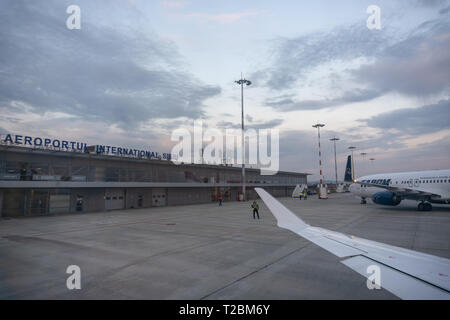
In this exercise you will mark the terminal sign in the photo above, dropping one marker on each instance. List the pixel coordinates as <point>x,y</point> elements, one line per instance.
<point>76,146</point>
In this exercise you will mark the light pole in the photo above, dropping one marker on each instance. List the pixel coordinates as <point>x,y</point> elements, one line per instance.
<point>353,163</point>
<point>364,157</point>
<point>318,126</point>
<point>241,82</point>
<point>335,161</point>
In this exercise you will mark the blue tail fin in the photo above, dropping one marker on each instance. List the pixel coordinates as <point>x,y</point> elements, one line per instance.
<point>348,170</point>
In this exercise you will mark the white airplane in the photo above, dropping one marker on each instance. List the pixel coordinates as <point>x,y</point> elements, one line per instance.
<point>406,273</point>
<point>432,186</point>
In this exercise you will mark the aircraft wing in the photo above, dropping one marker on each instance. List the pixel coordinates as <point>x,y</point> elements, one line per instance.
<point>407,193</point>
<point>406,273</point>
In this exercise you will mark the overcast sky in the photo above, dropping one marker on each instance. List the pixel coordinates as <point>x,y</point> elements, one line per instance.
<point>138,69</point>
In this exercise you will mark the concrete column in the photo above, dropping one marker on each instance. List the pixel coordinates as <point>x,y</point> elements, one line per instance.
<point>1,202</point>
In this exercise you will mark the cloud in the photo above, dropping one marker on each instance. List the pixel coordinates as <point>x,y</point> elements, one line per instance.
<point>295,57</point>
<point>290,104</point>
<point>224,18</point>
<point>415,121</point>
<point>259,125</point>
<point>430,3</point>
<point>444,10</point>
<point>174,4</point>
<point>100,73</point>
<point>392,153</point>
<point>414,64</point>
<point>419,65</point>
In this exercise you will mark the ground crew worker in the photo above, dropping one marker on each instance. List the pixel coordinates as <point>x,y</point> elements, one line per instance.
<point>300,195</point>
<point>220,199</point>
<point>305,195</point>
<point>255,208</point>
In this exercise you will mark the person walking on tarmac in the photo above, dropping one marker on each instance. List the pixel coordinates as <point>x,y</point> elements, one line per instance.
<point>255,208</point>
<point>220,200</point>
<point>305,195</point>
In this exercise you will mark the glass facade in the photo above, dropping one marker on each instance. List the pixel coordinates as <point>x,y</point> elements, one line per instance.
<point>64,166</point>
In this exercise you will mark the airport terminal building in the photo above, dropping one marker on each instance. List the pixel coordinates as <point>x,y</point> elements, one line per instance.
<point>39,176</point>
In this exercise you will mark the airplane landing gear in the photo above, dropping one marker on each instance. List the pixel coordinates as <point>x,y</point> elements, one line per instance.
<point>424,206</point>
<point>363,201</point>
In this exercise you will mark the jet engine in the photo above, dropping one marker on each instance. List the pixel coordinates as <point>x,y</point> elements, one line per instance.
<point>386,198</point>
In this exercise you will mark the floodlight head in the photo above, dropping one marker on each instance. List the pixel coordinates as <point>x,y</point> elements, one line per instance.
<point>243,81</point>
<point>319,125</point>
<point>334,139</point>
<point>352,148</point>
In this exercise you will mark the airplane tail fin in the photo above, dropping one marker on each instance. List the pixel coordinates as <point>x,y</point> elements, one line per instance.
<point>348,170</point>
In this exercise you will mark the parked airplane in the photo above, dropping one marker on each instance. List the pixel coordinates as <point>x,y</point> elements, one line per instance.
<point>406,273</point>
<point>431,186</point>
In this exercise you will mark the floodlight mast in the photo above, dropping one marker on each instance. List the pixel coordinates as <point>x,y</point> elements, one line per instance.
<point>241,82</point>
<point>335,161</point>
<point>353,163</point>
<point>318,126</point>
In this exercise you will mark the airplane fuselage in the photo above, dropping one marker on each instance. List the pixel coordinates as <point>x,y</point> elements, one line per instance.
<point>434,182</point>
